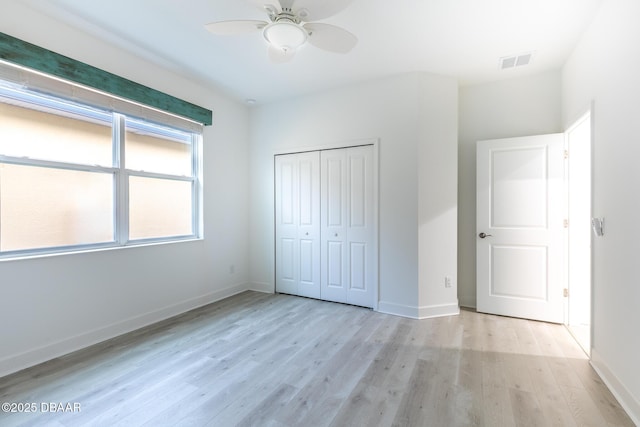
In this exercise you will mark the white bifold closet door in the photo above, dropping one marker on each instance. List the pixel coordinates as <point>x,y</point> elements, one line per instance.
<point>347,256</point>
<point>298,224</point>
<point>325,225</point>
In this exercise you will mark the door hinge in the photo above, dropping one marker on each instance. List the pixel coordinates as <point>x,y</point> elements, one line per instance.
<point>566,154</point>
<point>565,223</point>
<point>565,293</point>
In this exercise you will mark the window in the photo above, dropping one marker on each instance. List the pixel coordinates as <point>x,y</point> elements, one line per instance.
<point>74,176</point>
<point>159,164</point>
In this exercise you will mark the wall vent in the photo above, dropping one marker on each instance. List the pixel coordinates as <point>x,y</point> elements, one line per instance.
<point>523,59</point>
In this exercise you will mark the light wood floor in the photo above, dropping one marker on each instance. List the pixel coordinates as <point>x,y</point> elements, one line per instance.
<point>278,360</point>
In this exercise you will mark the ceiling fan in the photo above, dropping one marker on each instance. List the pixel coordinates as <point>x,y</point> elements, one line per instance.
<point>290,27</point>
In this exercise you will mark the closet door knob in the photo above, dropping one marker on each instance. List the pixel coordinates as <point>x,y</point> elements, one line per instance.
<point>335,235</point>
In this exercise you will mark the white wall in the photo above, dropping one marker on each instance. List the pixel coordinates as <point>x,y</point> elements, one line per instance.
<point>437,197</point>
<point>414,118</point>
<point>53,305</point>
<point>604,68</point>
<point>517,107</point>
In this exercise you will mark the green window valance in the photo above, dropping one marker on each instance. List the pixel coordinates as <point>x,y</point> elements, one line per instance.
<point>28,55</point>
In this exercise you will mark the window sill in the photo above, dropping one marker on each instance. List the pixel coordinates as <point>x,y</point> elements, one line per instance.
<point>71,252</point>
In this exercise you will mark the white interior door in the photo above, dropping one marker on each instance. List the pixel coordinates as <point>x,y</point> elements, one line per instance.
<point>348,253</point>
<point>297,184</point>
<point>520,226</point>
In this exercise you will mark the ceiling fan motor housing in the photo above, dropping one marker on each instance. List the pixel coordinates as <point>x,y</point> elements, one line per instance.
<point>285,34</point>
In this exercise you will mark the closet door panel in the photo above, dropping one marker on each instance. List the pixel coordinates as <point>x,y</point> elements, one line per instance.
<point>286,225</point>
<point>334,265</point>
<point>288,255</point>
<point>308,269</point>
<point>357,191</point>
<point>308,191</point>
<point>297,184</point>
<point>334,171</point>
<point>309,223</point>
<point>334,262</point>
<point>360,211</point>
<point>357,261</point>
<point>286,185</point>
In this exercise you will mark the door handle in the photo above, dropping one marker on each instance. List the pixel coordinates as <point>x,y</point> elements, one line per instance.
<point>483,235</point>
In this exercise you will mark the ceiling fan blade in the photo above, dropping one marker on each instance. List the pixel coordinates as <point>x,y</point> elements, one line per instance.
<point>287,4</point>
<point>330,38</point>
<point>226,28</point>
<point>315,9</point>
<point>267,5</point>
<point>280,56</point>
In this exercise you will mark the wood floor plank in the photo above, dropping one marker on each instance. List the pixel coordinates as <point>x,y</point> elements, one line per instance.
<point>412,411</point>
<point>469,401</point>
<point>277,360</point>
<point>495,395</point>
<point>526,409</point>
<point>550,398</point>
<point>445,400</point>
<point>201,406</point>
<point>266,412</point>
<point>380,366</point>
<point>359,407</point>
<point>607,404</point>
<point>377,396</point>
<point>337,378</point>
<point>582,407</point>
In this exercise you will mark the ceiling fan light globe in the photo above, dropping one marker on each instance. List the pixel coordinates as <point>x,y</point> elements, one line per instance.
<point>285,35</point>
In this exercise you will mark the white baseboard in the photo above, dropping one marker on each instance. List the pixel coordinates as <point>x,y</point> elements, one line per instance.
<point>429,311</point>
<point>264,287</point>
<point>414,312</point>
<point>627,400</point>
<point>15,363</point>
<point>398,309</point>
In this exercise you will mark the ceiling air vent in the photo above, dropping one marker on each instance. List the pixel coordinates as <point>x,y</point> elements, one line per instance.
<point>515,61</point>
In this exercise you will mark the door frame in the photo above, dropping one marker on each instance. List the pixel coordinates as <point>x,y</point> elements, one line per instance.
<point>587,114</point>
<point>375,142</point>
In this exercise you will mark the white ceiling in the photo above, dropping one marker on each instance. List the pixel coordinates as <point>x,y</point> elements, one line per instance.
<point>459,38</point>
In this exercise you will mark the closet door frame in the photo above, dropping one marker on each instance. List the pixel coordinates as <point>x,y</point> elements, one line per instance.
<point>375,142</point>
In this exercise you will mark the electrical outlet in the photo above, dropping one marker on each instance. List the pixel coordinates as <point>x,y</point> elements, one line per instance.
<point>232,269</point>
<point>447,282</point>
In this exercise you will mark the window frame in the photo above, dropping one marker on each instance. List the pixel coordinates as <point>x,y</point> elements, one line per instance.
<point>77,110</point>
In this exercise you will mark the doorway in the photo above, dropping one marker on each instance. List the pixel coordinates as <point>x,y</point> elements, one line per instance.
<point>578,306</point>
<point>524,220</point>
